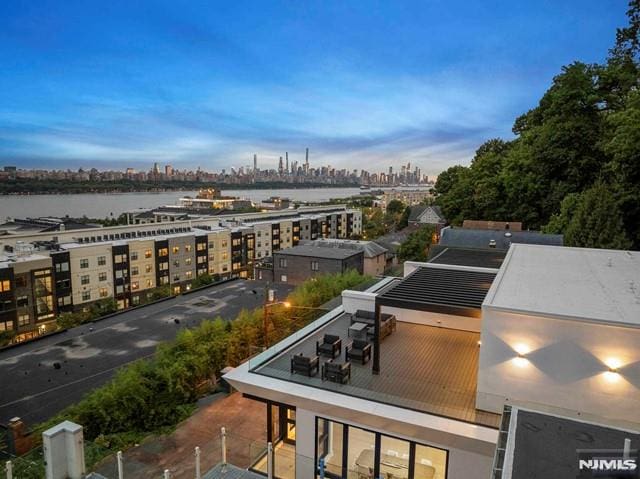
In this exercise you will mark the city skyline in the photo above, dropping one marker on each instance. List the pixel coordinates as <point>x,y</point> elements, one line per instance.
<point>193,86</point>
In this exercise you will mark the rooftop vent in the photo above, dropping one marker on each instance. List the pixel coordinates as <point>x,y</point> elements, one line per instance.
<point>492,243</point>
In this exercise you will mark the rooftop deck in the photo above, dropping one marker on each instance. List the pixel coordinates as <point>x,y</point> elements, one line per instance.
<point>424,368</point>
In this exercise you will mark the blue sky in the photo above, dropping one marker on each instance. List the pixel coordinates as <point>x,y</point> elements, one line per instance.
<point>363,84</point>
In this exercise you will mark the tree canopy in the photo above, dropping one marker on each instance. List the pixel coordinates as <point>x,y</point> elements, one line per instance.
<point>581,140</point>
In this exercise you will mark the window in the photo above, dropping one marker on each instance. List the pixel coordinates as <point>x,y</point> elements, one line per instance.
<point>23,319</point>
<point>84,263</point>
<point>175,249</point>
<point>104,292</point>
<point>283,262</point>
<point>225,268</point>
<point>163,266</point>
<point>135,300</point>
<point>134,271</point>
<point>163,252</point>
<point>225,256</point>
<point>121,273</point>
<point>120,258</point>
<point>176,278</point>
<point>62,267</point>
<point>188,274</point>
<point>22,301</point>
<point>236,242</point>
<point>212,257</point>
<point>211,245</point>
<point>148,268</point>
<point>135,285</point>
<point>164,279</point>
<point>134,256</point>
<point>102,260</point>
<point>63,283</point>
<point>147,253</point>
<point>86,295</point>
<point>6,326</point>
<point>201,246</point>
<point>202,259</point>
<point>64,301</point>
<point>84,279</point>
<point>315,266</point>
<point>176,263</point>
<point>187,248</point>
<point>5,285</point>
<point>102,276</point>
<point>283,278</point>
<point>149,283</point>
<point>187,261</point>
<point>348,451</point>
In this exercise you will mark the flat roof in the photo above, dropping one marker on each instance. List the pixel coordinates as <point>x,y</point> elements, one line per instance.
<point>478,258</point>
<point>319,252</point>
<point>581,283</point>
<point>440,290</point>
<point>423,368</point>
<point>502,239</point>
<point>544,445</point>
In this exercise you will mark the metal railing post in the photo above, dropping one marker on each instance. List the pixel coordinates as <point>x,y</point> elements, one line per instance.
<point>9,469</point>
<point>223,441</point>
<point>197,453</point>
<point>167,474</point>
<point>120,468</point>
<point>269,460</point>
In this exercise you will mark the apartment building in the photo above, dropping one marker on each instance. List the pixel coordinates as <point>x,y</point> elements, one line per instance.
<point>127,263</point>
<point>418,377</point>
<point>299,263</point>
<point>92,273</point>
<point>142,269</point>
<point>27,302</point>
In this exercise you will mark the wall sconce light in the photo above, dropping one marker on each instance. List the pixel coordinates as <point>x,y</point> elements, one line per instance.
<point>521,359</point>
<point>612,374</point>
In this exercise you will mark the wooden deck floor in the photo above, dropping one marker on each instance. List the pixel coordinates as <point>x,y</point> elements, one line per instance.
<point>424,368</point>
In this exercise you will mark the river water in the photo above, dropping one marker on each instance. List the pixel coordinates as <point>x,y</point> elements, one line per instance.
<point>101,205</point>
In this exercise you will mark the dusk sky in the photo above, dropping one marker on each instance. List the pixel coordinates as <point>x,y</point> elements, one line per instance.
<point>363,84</point>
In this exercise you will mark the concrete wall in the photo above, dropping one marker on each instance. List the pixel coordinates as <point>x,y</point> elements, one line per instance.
<point>435,319</point>
<point>565,364</point>
<point>355,300</point>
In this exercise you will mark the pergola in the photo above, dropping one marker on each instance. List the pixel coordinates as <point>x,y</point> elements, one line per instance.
<point>458,292</point>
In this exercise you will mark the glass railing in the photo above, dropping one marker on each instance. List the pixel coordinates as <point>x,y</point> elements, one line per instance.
<point>269,353</point>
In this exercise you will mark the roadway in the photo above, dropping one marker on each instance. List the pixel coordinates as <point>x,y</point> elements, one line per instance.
<point>39,379</point>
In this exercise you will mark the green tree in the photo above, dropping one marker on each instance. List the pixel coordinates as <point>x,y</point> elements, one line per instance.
<point>597,221</point>
<point>416,246</point>
<point>395,207</point>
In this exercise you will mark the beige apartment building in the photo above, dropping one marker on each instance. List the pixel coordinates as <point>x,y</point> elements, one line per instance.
<point>91,272</point>
<point>219,252</point>
<point>142,267</point>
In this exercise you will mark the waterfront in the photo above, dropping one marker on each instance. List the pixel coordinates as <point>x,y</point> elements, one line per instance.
<point>102,205</point>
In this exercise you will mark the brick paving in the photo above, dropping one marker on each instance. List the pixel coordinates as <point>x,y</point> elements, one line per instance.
<point>245,423</point>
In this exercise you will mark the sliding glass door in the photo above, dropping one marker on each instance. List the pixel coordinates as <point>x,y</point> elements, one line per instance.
<point>350,452</point>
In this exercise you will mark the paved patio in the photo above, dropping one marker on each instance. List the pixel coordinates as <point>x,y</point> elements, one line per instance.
<point>244,420</point>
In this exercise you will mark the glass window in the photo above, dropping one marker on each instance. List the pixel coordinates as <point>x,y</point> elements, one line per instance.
<point>187,248</point>
<point>147,268</point>
<point>430,462</point>
<point>86,295</point>
<point>62,267</point>
<point>330,445</point>
<point>84,279</point>
<point>84,263</point>
<point>176,249</point>
<point>283,262</point>
<point>102,260</point>
<point>147,254</point>
<point>163,252</point>
<point>134,256</point>
<point>394,457</point>
<point>134,271</point>
<point>361,452</point>
<point>102,276</point>
<point>104,292</point>
<point>314,266</point>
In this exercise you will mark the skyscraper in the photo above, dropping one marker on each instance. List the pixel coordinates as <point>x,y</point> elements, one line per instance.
<point>255,163</point>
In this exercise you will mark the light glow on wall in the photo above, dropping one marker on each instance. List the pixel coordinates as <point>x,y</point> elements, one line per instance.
<point>522,349</point>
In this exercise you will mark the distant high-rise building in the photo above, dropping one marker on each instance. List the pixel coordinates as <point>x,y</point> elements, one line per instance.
<point>168,170</point>
<point>280,167</point>
<point>156,168</point>
<point>286,156</point>
<point>306,161</point>
<point>255,163</point>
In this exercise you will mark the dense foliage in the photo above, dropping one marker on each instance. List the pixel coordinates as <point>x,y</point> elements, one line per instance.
<point>159,392</point>
<point>416,246</point>
<point>574,165</point>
